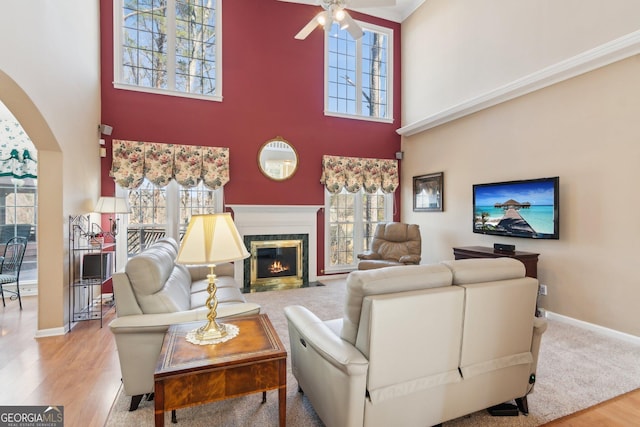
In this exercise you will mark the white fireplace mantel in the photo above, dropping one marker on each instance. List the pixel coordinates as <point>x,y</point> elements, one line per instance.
<point>279,219</point>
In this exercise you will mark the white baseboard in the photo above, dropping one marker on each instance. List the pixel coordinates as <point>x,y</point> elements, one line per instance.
<point>332,276</point>
<point>593,327</point>
<point>52,332</point>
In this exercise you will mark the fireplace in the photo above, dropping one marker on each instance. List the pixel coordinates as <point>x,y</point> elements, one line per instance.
<point>276,262</point>
<point>279,220</point>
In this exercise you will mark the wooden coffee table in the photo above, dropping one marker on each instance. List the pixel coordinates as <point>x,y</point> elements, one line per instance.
<point>188,374</point>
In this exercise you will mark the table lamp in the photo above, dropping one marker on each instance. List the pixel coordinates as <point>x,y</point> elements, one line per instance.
<point>113,205</point>
<point>211,239</point>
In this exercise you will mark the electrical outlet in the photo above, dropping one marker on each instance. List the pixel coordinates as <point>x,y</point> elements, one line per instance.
<point>542,289</point>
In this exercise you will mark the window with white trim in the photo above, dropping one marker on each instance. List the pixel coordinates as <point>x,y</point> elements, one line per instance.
<point>358,73</point>
<point>350,221</point>
<point>158,212</point>
<point>171,47</point>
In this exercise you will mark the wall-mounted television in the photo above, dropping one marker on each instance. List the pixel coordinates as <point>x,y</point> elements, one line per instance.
<point>525,208</point>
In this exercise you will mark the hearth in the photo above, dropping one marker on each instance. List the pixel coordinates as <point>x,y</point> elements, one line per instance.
<point>276,262</point>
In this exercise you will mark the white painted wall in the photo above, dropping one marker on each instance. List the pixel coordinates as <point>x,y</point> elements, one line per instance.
<point>456,50</point>
<point>585,130</point>
<point>49,80</point>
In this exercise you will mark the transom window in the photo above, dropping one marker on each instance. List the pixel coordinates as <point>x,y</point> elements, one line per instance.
<point>358,73</point>
<point>169,46</point>
<point>350,224</point>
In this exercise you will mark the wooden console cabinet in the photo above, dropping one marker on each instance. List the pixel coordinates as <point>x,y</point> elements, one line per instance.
<point>529,259</point>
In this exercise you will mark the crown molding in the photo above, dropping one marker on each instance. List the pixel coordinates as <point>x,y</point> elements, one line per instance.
<point>605,54</point>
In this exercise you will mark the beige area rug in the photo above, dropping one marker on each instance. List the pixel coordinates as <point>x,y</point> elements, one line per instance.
<point>577,369</point>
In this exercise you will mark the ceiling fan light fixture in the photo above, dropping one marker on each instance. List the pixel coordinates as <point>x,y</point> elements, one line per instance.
<point>328,20</point>
<point>335,12</point>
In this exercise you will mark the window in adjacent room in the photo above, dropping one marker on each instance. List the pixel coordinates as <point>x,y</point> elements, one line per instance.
<point>18,207</point>
<point>158,212</point>
<point>358,73</point>
<point>169,46</point>
<point>351,219</point>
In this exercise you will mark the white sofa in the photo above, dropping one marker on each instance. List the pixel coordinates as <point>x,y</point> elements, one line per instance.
<point>153,292</point>
<point>420,345</point>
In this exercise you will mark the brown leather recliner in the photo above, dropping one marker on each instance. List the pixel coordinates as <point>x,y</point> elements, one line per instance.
<point>393,244</point>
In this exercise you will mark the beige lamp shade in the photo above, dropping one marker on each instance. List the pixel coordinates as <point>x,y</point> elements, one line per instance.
<point>211,239</point>
<point>116,205</point>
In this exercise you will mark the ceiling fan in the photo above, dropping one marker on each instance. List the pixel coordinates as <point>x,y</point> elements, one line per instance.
<point>334,11</point>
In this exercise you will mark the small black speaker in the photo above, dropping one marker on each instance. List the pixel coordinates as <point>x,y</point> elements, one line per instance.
<point>502,247</point>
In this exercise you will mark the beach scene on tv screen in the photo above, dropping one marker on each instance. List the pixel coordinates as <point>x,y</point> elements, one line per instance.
<point>523,208</point>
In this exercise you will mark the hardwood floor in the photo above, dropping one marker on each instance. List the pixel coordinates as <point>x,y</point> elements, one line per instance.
<point>81,372</point>
<point>621,411</point>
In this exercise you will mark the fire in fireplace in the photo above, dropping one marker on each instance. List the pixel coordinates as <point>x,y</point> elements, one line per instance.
<point>276,263</point>
<point>277,267</point>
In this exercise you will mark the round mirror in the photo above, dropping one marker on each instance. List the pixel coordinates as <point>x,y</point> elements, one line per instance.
<point>277,159</point>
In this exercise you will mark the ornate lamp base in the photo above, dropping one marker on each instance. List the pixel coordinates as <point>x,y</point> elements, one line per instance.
<point>213,332</point>
<point>203,336</point>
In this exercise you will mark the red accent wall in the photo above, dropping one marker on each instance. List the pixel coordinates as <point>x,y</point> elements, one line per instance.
<point>272,86</point>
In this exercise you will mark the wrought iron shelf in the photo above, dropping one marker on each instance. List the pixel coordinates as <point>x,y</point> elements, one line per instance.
<point>86,300</point>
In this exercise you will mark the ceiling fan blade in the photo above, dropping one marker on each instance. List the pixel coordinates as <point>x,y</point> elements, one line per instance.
<point>307,29</point>
<point>350,25</point>
<point>370,3</point>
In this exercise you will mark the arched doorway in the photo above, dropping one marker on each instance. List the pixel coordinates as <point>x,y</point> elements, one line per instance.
<point>49,212</point>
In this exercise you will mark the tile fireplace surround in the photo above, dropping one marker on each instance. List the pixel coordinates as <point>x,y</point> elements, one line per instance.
<point>279,219</point>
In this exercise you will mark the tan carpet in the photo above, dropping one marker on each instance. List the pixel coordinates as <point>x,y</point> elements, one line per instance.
<point>577,369</point>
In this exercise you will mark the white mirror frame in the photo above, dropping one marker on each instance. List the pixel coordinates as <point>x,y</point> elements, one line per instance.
<point>277,159</point>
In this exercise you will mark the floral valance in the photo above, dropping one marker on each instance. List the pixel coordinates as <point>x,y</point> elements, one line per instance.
<point>353,173</point>
<point>18,156</point>
<point>160,163</point>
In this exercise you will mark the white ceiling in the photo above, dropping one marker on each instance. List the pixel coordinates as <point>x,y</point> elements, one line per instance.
<point>397,13</point>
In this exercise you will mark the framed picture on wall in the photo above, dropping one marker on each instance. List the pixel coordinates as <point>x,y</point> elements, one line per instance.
<point>428,192</point>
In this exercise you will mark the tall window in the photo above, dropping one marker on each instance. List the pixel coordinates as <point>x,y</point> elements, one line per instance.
<point>18,207</point>
<point>169,46</point>
<point>358,73</point>
<point>158,212</point>
<point>350,224</point>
